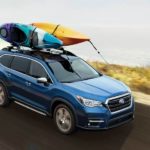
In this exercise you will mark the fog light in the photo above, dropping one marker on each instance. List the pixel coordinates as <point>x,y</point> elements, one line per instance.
<point>95,122</point>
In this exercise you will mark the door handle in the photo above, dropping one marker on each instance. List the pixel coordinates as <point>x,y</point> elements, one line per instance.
<point>8,74</point>
<point>28,83</point>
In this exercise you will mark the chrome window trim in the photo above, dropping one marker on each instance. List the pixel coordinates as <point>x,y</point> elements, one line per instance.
<point>119,96</point>
<point>29,59</point>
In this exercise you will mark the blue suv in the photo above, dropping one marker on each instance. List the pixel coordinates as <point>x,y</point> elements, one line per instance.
<point>59,84</point>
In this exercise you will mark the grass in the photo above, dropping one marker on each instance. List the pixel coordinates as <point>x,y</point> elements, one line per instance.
<point>137,78</point>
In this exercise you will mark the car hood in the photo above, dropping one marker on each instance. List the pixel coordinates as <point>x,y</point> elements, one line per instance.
<point>100,88</point>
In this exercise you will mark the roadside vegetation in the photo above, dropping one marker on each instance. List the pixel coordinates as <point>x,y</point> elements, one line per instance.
<point>137,78</point>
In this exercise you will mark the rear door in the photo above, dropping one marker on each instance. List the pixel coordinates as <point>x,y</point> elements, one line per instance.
<point>18,77</point>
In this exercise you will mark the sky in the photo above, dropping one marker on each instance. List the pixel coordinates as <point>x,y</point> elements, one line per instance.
<point>78,12</point>
<point>113,25</point>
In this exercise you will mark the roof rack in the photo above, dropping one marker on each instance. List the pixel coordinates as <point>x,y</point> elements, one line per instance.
<point>59,51</point>
<point>38,53</point>
<point>10,48</point>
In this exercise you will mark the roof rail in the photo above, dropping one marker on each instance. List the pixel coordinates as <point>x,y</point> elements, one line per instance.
<point>9,48</point>
<point>38,53</point>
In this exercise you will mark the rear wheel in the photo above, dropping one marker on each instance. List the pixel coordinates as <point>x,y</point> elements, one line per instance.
<point>4,101</point>
<point>64,119</point>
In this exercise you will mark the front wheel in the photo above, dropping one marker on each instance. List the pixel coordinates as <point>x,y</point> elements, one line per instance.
<point>64,119</point>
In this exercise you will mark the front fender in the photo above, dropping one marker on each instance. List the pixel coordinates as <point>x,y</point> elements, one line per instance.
<point>58,100</point>
<point>68,99</point>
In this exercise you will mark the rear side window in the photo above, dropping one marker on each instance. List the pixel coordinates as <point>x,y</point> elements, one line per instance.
<point>6,60</point>
<point>37,70</point>
<point>20,64</point>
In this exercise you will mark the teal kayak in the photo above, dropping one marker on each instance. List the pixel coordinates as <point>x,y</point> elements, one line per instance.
<point>29,36</point>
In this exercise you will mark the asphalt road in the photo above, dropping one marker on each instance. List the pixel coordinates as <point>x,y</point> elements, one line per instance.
<point>22,129</point>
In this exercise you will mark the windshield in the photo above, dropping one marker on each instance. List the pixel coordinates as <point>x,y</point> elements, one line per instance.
<point>72,70</point>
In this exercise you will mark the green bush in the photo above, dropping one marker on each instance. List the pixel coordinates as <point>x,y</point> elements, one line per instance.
<point>137,78</point>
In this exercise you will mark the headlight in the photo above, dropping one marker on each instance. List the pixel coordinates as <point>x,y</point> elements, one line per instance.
<point>89,102</point>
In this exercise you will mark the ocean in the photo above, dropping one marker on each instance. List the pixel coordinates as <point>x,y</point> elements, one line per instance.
<point>119,45</point>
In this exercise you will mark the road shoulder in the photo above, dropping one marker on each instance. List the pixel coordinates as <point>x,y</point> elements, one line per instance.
<point>142,98</point>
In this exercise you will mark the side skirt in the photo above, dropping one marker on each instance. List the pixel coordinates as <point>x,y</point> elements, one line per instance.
<point>30,108</point>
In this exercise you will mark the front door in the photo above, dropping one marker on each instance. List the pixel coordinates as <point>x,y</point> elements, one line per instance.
<point>39,93</point>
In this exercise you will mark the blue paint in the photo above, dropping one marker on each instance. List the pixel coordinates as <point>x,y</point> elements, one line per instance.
<point>42,97</point>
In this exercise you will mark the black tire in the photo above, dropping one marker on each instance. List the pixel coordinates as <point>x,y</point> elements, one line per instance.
<point>61,123</point>
<point>4,100</point>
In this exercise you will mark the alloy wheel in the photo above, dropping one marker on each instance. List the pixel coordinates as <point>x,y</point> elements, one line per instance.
<point>63,119</point>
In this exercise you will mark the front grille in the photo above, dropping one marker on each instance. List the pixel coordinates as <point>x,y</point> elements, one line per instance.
<point>119,103</point>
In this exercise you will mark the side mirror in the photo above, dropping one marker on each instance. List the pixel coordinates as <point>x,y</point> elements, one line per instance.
<point>42,80</point>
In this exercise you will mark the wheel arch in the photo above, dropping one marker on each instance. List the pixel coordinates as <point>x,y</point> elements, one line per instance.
<point>57,101</point>
<point>6,88</point>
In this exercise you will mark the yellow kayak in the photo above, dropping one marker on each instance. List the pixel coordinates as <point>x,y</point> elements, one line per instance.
<point>68,36</point>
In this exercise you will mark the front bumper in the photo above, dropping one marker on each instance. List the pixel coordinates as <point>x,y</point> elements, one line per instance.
<point>102,118</point>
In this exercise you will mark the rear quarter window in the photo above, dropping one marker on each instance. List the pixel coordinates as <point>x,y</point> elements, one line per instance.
<point>6,60</point>
<point>20,64</point>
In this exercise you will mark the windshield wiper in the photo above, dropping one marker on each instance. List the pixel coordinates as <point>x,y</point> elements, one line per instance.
<point>91,78</point>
